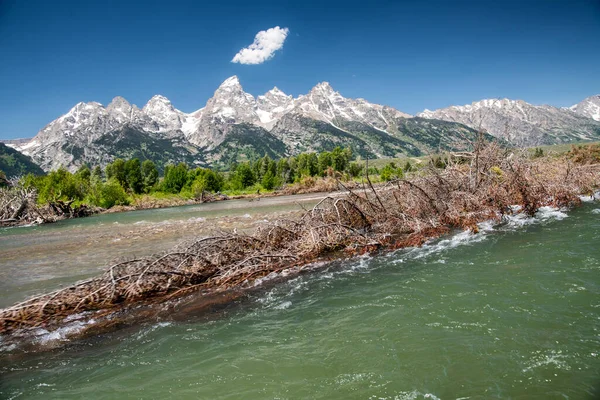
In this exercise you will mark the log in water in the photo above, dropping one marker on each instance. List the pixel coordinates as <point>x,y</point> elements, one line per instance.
<point>509,312</point>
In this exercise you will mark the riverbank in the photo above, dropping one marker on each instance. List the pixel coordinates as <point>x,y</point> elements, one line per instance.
<point>147,202</point>
<point>20,207</point>
<point>404,214</point>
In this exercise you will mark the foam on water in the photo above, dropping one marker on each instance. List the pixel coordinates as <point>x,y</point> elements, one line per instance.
<point>590,199</point>
<point>459,239</point>
<point>412,395</point>
<point>45,337</point>
<point>143,333</point>
<point>543,214</point>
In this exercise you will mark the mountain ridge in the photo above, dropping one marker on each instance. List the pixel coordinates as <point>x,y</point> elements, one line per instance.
<point>285,126</point>
<point>521,123</point>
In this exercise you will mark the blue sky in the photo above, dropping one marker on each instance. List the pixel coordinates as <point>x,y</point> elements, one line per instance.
<point>410,55</point>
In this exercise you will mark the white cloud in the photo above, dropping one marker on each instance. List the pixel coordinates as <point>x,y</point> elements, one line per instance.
<point>266,43</point>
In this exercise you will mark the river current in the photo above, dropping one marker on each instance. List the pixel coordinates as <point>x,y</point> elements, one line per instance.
<point>512,312</point>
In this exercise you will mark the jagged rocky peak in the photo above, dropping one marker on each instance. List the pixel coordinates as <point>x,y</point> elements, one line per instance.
<point>326,104</point>
<point>158,104</point>
<point>275,95</point>
<point>118,102</point>
<point>271,106</point>
<point>589,107</point>
<point>276,92</point>
<point>80,115</point>
<point>231,90</point>
<point>83,108</point>
<point>164,116</point>
<point>274,98</point>
<point>230,84</point>
<point>230,104</point>
<point>121,110</point>
<point>322,87</point>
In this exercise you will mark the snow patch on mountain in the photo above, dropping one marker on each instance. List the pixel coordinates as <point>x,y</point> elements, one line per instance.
<point>589,107</point>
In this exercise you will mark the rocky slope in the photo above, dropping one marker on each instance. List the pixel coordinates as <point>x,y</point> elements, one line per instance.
<point>13,163</point>
<point>589,107</point>
<point>521,123</point>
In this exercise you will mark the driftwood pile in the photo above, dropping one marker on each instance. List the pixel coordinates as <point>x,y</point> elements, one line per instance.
<point>18,206</point>
<point>473,187</point>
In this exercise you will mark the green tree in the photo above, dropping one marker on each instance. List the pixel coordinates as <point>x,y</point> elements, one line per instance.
<point>268,180</point>
<point>175,178</point>
<point>325,161</point>
<point>340,158</point>
<point>243,177</point>
<point>116,170</point>
<point>3,180</point>
<point>283,170</point>
<point>133,175</point>
<point>355,169</point>
<point>313,164</point>
<point>97,173</point>
<point>149,174</point>
<point>206,180</point>
<point>266,165</point>
<point>84,173</point>
<point>307,164</point>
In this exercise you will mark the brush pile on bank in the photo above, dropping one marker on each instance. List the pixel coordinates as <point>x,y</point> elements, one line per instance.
<point>18,206</point>
<point>474,186</point>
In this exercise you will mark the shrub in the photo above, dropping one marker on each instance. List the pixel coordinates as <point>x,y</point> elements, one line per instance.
<point>390,171</point>
<point>269,181</point>
<point>110,194</point>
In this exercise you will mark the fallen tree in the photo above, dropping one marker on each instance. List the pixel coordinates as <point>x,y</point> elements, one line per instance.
<point>474,187</point>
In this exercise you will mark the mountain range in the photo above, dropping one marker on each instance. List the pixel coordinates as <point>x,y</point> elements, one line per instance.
<point>234,126</point>
<point>524,124</point>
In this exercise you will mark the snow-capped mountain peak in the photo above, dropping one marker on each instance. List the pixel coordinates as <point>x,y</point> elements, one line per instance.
<point>158,103</point>
<point>81,114</point>
<point>232,81</point>
<point>323,87</point>
<point>276,92</point>
<point>589,107</point>
<point>271,106</point>
<point>163,116</point>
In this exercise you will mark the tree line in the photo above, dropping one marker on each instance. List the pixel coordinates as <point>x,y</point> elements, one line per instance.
<point>123,178</point>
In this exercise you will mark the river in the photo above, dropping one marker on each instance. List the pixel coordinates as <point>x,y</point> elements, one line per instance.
<point>512,312</point>
<point>45,257</point>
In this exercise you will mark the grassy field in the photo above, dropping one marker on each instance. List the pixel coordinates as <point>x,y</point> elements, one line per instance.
<point>401,161</point>
<point>560,148</point>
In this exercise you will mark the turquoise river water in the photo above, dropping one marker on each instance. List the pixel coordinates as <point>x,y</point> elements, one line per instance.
<point>512,312</point>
